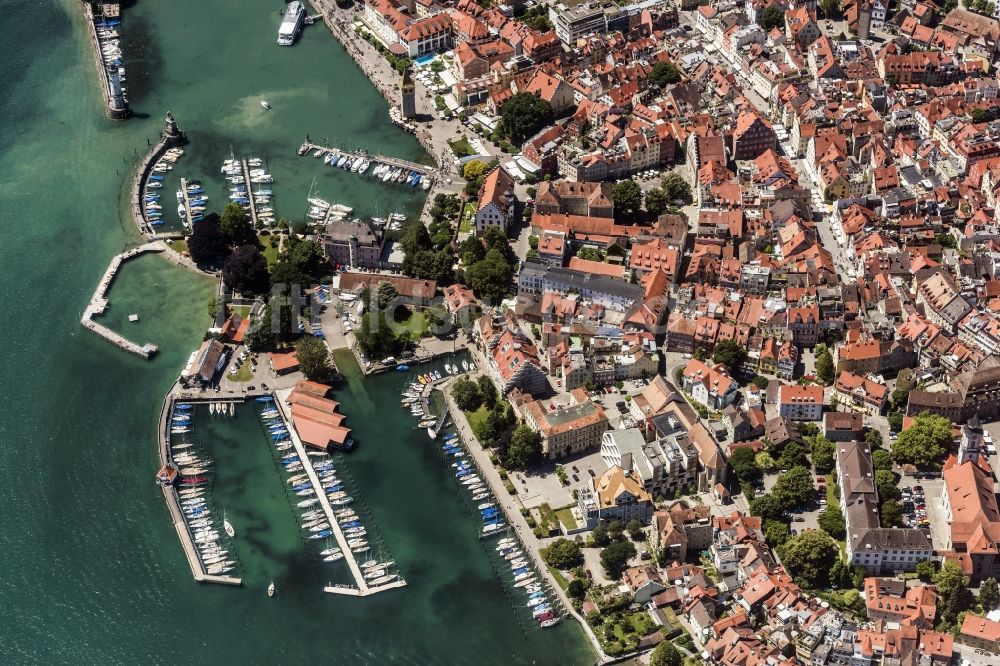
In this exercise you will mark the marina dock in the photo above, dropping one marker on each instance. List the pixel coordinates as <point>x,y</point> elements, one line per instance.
<point>250,195</point>
<point>99,303</point>
<point>308,148</point>
<point>170,492</point>
<point>363,588</point>
<point>186,202</point>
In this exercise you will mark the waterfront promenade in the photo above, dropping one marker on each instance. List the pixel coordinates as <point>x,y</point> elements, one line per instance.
<point>511,506</point>
<point>432,134</point>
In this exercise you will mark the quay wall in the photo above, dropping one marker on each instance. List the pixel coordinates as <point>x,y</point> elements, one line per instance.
<point>522,532</point>
<point>102,72</point>
<point>341,25</point>
<point>142,173</point>
<point>170,493</point>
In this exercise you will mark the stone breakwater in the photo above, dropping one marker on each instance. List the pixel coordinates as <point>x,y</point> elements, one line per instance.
<point>114,111</point>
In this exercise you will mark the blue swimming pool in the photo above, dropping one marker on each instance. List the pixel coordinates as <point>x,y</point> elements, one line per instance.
<point>424,59</point>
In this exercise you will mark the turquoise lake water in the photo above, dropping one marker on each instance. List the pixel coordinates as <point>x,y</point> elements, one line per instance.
<point>93,572</point>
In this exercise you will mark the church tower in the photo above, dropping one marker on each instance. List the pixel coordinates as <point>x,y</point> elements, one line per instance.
<point>408,96</point>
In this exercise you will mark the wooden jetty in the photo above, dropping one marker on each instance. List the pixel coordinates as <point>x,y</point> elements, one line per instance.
<point>250,195</point>
<point>187,204</point>
<point>308,148</point>
<point>174,504</point>
<point>99,303</point>
<point>363,588</point>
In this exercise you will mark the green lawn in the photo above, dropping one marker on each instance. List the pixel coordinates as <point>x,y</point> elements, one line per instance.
<point>549,520</point>
<point>477,417</point>
<point>565,516</point>
<point>461,147</point>
<point>270,249</point>
<point>241,310</point>
<point>558,575</point>
<point>244,375</point>
<point>416,325</point>
<point>465,225</point>
<point>179,246</point>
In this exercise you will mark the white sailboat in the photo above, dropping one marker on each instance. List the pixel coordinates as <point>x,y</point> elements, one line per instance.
<point>271,590</point>
<point>227,525</point>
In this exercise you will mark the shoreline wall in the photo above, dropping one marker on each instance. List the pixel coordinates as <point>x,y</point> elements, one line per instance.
<point>102,71</point>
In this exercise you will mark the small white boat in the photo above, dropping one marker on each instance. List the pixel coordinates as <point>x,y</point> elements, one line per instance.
<point>271,589</point>
<point>264,103</point>
<point>226,525</point>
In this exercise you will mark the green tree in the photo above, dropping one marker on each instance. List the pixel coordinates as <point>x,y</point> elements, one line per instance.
<point>236,227</point>
<point>926,571</point>
<point>768,507</point>
<point>895,420</point>
<point>656,201</point>
<point>795,488</point>
<point>473,170</point>
<point>676,188</point>
<point>824,368</point>
<point>385,294</point>
<point>760,382</point>
<point>616,530</point>
<point>524,114</point>
<point>245,271</point>
<point>627,198</point>
<point>634,529</point>
<point>215,306</point>
<point>776,532</point>
<point>730,354</point>
<point>615,558</point>
<point>415,237</point>
<point>886,483</point>
<point>925,443</point>
<point>665,654</point>
<point>980,116</point>
<point>664,73</point>
<point>600,536</point>
<point>793,455</point>
<point>831,8</point>
<point>562,554</point>
<point>766,462</point>
<point>313,358</point>
<point>770,18</point>
<point>375,337</point>
<point>891,513</point>
<point>590,254</point>
<point>487,391</point>
<point>207,245</point>
<point>576,589</point>
<point>822,454</point>
<point>954,596</point>
<point>524,448</point>
<point>881,460</point>
<point>471,250</point>
<point>490,279</point>
<point>744,465</point>
<point>831,520</point>
<point>810,556</point>
<point>260,334</point>
<point>989,594</point>
<point>429,264</point>
<point>438,318</point>
<point>466,394</point>
<point>873,438</point>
